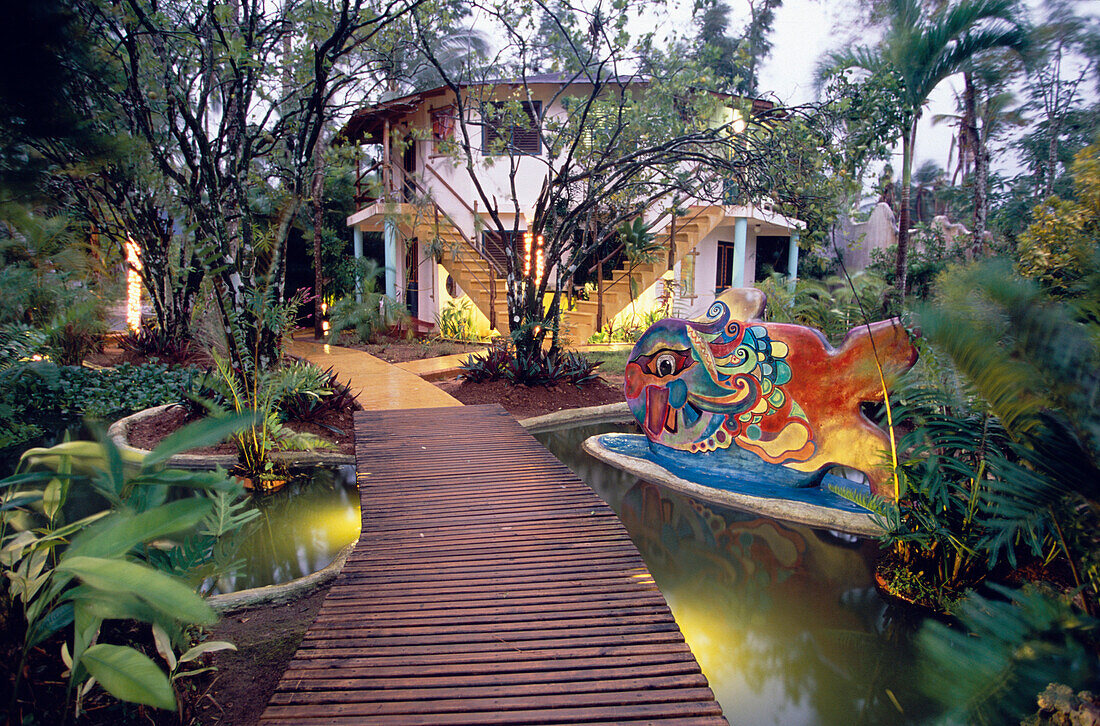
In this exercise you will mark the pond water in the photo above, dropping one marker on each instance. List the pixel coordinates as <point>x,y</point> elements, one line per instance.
<point>783,619</point>
<point>301,529</point>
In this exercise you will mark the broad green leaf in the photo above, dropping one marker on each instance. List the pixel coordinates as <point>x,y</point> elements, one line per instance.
<point>57,619</point>
<point>181,478</point>
<point>129,675</point>
<point>206,432</point>
<point>63,532</point>
<point>196,672</point>
<point>164,647</point>
<point>211,646</point>
<point>166,594</point>
<point>114,605</point>
<point>20,500</point>
<point>12,552</point>
<point>87,456</point>
<point>52,499</point>
<point>28,478</point>
<point>118,534</point>
<point>85,630</point>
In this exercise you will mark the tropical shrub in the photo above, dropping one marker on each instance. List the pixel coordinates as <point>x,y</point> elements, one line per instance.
<point>834,305</point>
<point>1058,249</point>
<point>74,576</point>
<point>260,394</point>
<point>152,341</point>
<point>1005,653</point>
<point>456,321</point>
<point>502,362</point>
<point>376,314</point>
<point>77,332</point>
<point>313,403</point>
<point>929,256</point>
<point>488,366</point>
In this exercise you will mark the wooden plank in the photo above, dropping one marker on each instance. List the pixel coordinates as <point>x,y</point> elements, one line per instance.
<point>489,585</point>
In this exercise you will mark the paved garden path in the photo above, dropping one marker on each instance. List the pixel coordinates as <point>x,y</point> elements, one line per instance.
<point>377,385</point>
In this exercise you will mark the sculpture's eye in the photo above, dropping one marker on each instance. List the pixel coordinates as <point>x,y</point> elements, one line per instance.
<point>666,362</point>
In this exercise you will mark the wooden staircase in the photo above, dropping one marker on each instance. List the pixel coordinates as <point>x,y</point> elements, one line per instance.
<point>580,323</point>
<point>477,275</point>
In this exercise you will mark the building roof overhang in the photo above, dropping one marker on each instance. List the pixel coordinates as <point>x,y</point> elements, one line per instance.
<point>366,125</point>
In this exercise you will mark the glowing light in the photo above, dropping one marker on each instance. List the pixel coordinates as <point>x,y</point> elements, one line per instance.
<point>738,124</point>
<point>528,239</point>
<point>540,262</point>
<point>133,285</point>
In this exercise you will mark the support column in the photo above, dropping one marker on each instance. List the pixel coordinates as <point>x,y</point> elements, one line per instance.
<point>740,237</point>
<point>357,246</point>
<point>390,237</point>
<point>792,260</point>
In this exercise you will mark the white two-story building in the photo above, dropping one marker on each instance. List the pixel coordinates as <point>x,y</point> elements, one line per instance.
<point>436,244</point>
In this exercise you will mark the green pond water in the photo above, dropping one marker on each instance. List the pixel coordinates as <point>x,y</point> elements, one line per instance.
<point>301,529</point>
<point>784,619</point>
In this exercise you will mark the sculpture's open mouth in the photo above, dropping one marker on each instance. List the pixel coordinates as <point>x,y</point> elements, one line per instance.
<point>656,407</point>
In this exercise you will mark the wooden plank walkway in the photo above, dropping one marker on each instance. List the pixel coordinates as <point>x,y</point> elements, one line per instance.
<point>489,586</point>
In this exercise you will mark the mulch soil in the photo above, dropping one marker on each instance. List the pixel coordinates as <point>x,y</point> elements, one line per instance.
<point>524,401</point>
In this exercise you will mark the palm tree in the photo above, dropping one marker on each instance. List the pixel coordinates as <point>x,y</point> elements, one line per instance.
<point>921,50</point>
<point>985,111</point>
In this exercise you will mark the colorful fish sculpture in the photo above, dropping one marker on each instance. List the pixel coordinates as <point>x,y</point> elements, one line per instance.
<point>728,382</point>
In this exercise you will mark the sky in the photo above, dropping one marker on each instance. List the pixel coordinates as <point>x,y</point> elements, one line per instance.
<point>804,30</point>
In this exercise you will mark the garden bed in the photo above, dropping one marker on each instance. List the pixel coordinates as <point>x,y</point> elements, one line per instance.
<point>147,431</point>
<point>403,350</point>
<point>526,402</point>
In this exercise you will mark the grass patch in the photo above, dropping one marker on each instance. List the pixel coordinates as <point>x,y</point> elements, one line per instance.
<point>614,361</point>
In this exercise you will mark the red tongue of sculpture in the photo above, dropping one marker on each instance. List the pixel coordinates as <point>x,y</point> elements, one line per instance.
<point>656,408</point>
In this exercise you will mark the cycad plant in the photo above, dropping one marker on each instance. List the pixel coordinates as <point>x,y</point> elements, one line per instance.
<point>261,393</point>
<point>1037,368</point>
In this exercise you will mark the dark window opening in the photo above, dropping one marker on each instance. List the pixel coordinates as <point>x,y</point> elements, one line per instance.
<point>412,281</point>
<point>520,136</point>
<point>771,255</point>
<point>724,269</point>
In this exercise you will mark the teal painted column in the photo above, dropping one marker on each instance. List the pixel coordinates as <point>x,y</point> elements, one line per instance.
<point>792,260</point>
<point>740,237</point>
<point>357,246</point>
<point>390,237</point>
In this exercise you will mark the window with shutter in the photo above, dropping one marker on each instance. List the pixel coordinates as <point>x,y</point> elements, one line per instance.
<point>443,129</point>
<point>504,134</point>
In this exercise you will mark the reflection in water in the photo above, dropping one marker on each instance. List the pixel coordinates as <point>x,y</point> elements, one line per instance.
<point>301,529</point>
<point>783,619</point>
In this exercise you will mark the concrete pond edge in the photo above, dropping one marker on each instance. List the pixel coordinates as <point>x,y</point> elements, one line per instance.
<point>119,433</point>
<point>282,593</point>
<point>609,413</point>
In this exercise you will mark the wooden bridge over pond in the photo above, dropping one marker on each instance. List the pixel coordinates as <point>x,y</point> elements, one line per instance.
<point>489,586</point>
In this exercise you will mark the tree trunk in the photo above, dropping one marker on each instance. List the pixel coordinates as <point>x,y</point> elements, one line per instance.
<point>318,277</point>
<point>901,269</point>
<point>1052,157</point>
<point>977,147</point>
<point>599,293</point>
